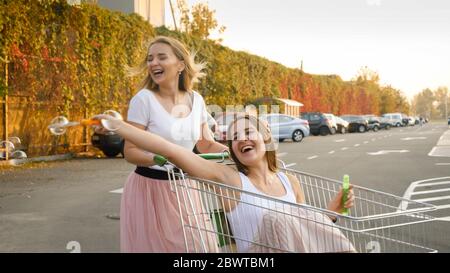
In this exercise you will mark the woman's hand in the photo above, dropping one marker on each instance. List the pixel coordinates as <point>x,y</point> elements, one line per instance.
<point>108,123</point>
<point>336,204</point>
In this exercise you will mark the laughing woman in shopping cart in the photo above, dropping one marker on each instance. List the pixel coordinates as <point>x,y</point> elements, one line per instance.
<point>257,174</point>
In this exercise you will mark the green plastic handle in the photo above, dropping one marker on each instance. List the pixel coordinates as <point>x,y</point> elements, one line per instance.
<point>345,188</point>
<point>161,160</point>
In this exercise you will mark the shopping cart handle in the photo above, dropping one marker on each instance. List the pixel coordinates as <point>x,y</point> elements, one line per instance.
<point>212,156</point>
<point>161,160</point>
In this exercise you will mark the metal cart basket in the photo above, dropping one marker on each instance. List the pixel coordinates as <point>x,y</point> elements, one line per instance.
<point>378,222</point>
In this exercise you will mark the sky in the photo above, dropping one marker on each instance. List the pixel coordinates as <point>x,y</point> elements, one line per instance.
<point>407,42</point>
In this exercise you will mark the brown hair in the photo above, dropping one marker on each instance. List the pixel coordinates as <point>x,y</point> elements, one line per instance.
<point>271,153</point>
<point>188,76</point>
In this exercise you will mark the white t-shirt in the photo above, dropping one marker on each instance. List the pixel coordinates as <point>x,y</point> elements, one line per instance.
<point>145,109</point>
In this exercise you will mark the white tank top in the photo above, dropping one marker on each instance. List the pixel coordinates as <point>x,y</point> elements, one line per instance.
<point>246,217</point>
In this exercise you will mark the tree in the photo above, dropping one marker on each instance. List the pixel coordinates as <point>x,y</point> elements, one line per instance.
<point>424,103</point>
<point>199,21</point>
<point>440,96</point>
<point>365,74</point>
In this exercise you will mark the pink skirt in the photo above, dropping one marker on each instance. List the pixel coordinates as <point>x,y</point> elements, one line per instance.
<point>150,219</point>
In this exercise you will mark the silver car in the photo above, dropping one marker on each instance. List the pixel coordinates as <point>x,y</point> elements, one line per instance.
<point>284,127</point>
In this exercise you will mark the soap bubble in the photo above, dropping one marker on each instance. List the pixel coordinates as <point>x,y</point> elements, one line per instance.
<point>19,155</point>
<point>58,125</point>
<point>107,124</point>
<point>6,147</point>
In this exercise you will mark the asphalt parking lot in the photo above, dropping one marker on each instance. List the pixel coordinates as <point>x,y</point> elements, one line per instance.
<point>73,205</point>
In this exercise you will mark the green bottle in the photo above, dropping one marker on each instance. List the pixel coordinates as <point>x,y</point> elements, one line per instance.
<point>345,188</point>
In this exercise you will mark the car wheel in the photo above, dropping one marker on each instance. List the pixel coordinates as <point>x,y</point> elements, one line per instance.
<point>375,128</point>
<point>343,131</point>
<point>297,136</point>
<point>111,153</point>
<point>333,131</point>
<point>324,131</point>
<point>388,127</point>
<point>398,125</point>
<point>361,128</point>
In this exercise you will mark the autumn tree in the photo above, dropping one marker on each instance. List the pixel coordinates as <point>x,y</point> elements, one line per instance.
<point>198,21</point>
<point>440,97</point>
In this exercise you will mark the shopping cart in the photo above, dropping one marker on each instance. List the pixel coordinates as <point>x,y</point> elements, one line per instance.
<point>378,222</point>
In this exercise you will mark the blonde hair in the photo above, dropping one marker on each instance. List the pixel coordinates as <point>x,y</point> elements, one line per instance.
<point>190,75</point>
<point>271,153</point>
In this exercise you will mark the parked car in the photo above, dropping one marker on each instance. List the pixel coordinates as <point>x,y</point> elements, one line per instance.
<point>332,119</point>
<point>318,123</point>
<point>417,120</point>
<point>385,123</point>
<point>374,121</point>
<point>223,122</point>
<point>405,120</point>
<point>287,127</point>
<point>111,144</point>
<point>395,119</point>
<point>411,121</point>
<point>356,123</point>
<point>342,125</point>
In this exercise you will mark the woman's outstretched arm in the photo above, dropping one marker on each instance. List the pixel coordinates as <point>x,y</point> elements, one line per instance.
<point>181,157</point>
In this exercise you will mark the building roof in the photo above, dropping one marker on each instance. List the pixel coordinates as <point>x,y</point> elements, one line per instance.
<point>290,102</point>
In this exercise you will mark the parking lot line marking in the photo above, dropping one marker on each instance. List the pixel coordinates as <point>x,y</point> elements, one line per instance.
<point>365,142</point>
<point>431,191</point>
<point>433,199</point>
<point>413,138</point>
<point>290,165</point>
<point>411,191</point>
<point>344,148</point>
<point>442,164</point>
<point>281,154</point>
<point>120,191</point>
<point>440,151</point>
<point>383,152</point>
<point>312,157</point>
<point>331,152</point>
<point>356,145</point>
<point>339,140</point>
<point>373,139</point>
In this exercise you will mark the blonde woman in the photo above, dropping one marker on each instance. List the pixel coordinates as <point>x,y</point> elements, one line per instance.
<point>166,106</point>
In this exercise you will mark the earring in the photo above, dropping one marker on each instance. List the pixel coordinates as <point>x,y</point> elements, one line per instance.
<point>179,72</point>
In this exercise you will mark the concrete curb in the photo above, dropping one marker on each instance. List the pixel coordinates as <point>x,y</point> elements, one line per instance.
<point>16,162</point>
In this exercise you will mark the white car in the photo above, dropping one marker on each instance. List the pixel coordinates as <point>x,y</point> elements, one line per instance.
<point>333,121</point>
<point>394,118</point>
